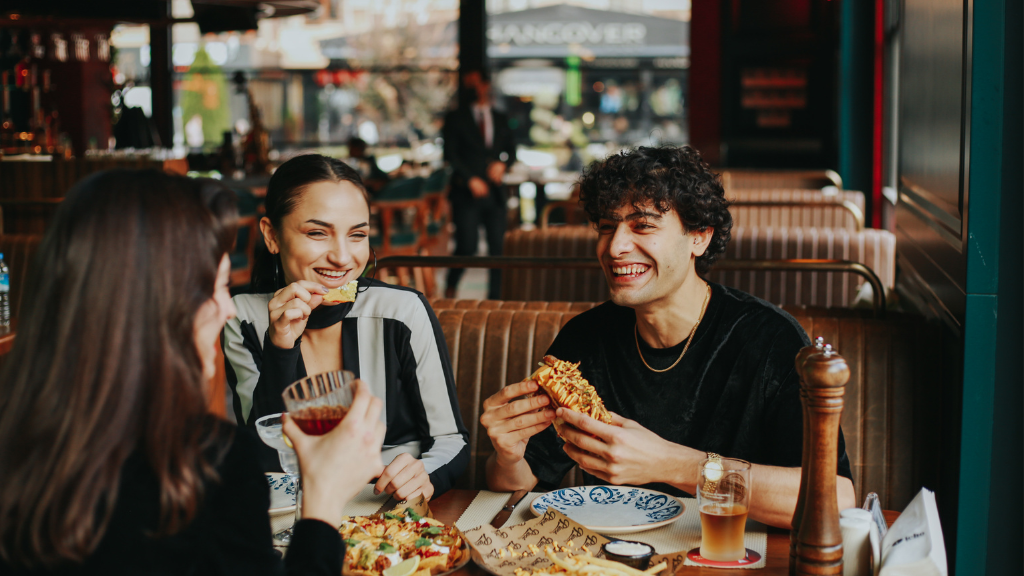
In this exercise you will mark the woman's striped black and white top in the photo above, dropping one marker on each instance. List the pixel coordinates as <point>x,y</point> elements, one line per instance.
<point>392,340</point>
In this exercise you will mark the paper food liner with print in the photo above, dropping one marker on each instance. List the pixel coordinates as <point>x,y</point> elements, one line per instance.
<point>503,550</point>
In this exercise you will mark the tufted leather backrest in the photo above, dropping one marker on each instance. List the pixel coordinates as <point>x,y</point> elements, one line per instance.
<point>822,210</point>
<point>738,179</point>
<point>874,248</point>
<point>497,343</point>
<point>492,346</point>
<point>553,285</point>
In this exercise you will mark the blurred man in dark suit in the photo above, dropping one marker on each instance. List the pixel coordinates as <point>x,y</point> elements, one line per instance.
<point>478,146</point>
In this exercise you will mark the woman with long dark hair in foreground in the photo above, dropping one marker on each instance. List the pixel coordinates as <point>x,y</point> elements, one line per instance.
<point>109,461</point>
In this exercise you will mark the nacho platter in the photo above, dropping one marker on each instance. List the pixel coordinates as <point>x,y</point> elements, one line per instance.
<point>380,541</point>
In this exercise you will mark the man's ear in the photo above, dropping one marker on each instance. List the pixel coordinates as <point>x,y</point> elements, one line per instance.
<point>701,240</point>
<point>269,235</point>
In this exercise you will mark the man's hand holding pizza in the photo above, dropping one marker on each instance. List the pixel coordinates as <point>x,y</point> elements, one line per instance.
<point>625,452</point>
<point>511,418</point>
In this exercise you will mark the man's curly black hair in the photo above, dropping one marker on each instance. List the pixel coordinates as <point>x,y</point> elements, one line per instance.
<point>670,178</point>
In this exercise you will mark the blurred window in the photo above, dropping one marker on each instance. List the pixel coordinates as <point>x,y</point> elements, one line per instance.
<point>588,77</point>
<point>381,70</point>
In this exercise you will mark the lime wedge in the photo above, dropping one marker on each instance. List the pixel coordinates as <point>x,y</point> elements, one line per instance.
<point>713,471</point>
<point>403,568</point>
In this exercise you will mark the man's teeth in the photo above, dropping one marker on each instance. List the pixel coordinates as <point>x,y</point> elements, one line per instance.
<point>631,270</point>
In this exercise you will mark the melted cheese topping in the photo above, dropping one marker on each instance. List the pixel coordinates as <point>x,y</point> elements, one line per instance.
<point>564,383</point>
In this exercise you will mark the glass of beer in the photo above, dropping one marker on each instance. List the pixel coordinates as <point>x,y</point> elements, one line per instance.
<point>723,498</point>
<point>318,403</point>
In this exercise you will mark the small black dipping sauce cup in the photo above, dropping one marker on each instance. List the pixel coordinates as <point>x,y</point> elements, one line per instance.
<point>638,561</point>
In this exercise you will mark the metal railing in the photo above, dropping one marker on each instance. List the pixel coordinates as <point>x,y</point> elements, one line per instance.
<point>853,209</point>
<point>550,262</point>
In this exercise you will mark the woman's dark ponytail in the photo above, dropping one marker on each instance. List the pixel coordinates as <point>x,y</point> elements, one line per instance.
<point>283,192</point>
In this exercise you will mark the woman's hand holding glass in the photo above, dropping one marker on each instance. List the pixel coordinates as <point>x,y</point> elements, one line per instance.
<point>290,309</point>
<point>405,478</point>
<point>338,464</point>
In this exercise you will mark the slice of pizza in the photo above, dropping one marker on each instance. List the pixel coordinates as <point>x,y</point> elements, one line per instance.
<point>346,293</point>
<point>567,388</point>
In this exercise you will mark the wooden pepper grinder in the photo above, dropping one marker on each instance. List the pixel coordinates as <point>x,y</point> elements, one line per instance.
<point>819,547</point>
<point>801,358</point>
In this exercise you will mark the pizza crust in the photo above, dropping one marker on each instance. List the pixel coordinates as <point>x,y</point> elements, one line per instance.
<point>567,388</point>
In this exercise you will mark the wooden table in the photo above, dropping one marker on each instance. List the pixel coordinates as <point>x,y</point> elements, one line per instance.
<point>448,507</point>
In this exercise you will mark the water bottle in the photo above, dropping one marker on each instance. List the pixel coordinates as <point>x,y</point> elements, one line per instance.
<point>5,296</point>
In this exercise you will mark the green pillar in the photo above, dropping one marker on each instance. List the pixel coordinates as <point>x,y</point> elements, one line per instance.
<point>856,79</point>
<point>989,529</point>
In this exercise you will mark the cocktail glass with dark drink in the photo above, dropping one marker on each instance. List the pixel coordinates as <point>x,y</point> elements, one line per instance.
<point>723,499</point>
<point>317,404</point>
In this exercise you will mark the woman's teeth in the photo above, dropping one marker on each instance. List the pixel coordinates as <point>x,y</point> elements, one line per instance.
<point>332,274</point>
<point>631,270</point>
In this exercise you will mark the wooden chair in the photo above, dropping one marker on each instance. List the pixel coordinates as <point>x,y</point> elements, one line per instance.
<point>401,218</point>
<point>574,213</point>
<point>245,249</point>
<point>438,212</point>
<point>28,216</point>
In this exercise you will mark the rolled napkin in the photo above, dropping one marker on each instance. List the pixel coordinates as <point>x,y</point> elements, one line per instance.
<point>860,543</point>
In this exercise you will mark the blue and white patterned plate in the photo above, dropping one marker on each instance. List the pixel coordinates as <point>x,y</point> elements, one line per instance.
<point>612,509</point>
<point>282,493</point>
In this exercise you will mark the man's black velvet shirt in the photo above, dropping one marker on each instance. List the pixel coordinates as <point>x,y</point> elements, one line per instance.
<point>735,392</point>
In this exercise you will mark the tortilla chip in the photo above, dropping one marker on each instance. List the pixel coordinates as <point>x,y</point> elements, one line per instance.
<point>440,560</point>
<point>346,293</point>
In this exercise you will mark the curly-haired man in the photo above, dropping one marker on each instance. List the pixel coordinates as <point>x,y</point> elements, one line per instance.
<point>687,367</point>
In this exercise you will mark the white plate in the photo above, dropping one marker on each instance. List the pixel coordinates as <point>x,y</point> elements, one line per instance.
<point>612,509</point>
<point>282,493</point>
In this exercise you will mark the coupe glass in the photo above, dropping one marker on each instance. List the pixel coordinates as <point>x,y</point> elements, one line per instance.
<point>269,429</point>
<point>318,403</point>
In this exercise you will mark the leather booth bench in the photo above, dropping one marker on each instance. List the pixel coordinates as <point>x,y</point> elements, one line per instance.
<point>739,179</point>
<point>888,410</point>
<point>778,207</point>
<point>794,208</point>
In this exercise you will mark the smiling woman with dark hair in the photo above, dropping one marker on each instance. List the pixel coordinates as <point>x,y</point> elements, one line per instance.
<point>109,461</point>
<point>316,235</point>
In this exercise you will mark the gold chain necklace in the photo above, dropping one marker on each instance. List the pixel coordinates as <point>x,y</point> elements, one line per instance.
<point>689,339</point>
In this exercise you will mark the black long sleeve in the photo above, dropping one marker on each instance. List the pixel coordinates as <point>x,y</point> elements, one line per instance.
<point>392,340</point>
<point>229,535</point>
<point>280,368</point>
